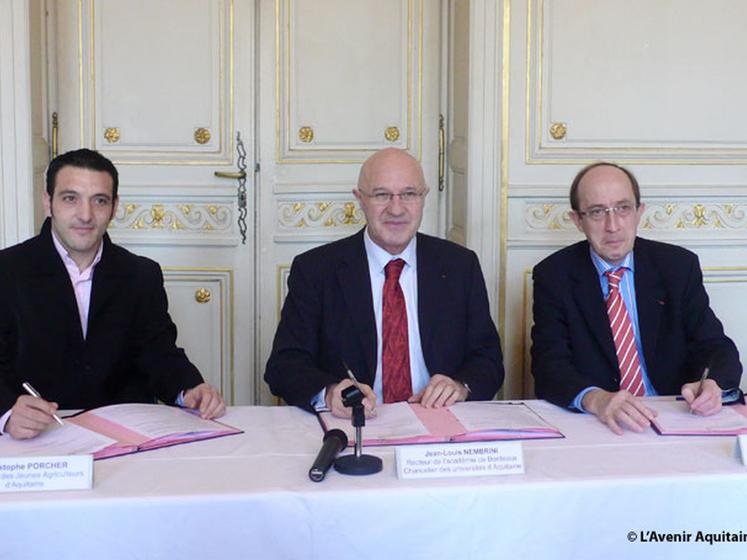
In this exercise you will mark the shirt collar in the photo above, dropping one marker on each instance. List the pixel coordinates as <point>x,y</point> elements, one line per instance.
<point>68,260</point>
<point>603,266</point>
<point>380,257</point>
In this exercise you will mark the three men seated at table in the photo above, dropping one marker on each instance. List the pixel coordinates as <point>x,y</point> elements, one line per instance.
<point>82,320</point>
<point>617,317</point>
<point>406,312</point>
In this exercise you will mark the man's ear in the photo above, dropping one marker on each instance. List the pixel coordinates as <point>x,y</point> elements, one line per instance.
<point>47,204</point>
<point>115,205</point>
<point>576,219</point>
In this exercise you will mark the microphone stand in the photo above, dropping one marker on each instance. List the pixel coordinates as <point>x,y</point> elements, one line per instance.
<point>357,463</point>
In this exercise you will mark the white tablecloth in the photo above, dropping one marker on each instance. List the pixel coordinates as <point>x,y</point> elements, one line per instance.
<point>249,496</point>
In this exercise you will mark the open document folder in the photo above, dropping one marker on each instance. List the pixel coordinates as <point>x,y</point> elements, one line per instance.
<point>403,423</point>
<point>674,419</point>
<point>118,429</point>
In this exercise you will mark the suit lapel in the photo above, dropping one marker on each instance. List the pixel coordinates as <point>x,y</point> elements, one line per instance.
<point>430,295</point>
<point>587,292</point>
<point>355,283</point>
<point>108,281</point>
<point>49,276</point>
<point>650,300</point>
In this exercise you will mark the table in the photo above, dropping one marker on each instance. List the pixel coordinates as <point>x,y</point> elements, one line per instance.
<point>248,496</point>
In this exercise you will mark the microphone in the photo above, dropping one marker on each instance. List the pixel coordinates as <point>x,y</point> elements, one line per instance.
<point>334,441</point>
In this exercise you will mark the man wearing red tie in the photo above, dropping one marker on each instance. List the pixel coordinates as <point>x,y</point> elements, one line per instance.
<point>617,317</point>
<point>406,312</point>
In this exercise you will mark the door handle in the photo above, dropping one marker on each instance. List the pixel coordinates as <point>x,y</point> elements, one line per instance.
<point>230,174</point>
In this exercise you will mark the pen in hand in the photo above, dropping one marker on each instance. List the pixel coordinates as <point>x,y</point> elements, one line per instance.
<point>352,378</point>
<point>34,393</point>
<point>703,377</point>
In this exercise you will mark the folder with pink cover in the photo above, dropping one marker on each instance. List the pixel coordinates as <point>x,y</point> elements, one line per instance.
<point>673,418</point>
<point>140,427</point>
<point>403,423</point>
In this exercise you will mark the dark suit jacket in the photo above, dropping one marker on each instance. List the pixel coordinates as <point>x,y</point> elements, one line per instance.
<point>572,345</point>
<point>328,317</point>
<point>129,354</point>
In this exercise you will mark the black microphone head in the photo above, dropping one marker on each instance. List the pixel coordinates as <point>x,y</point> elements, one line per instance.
<point>339,434</point>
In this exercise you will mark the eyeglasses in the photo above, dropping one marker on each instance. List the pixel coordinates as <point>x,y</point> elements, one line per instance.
<point>599,213</point>
<point>383,198</point>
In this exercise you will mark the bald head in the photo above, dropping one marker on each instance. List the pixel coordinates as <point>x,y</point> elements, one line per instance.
<point>391,191</point>
<point>384,163</point>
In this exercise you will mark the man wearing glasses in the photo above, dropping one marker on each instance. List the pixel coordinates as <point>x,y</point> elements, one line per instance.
<point>405,312</point>
<point>618,317</point>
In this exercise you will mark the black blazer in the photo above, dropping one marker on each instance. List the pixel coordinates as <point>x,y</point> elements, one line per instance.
<point>129,354</point>
<point>572,346</point>
<point>328,317</point>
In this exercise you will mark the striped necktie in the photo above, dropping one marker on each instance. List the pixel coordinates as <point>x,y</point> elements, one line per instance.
<point>631,378</point>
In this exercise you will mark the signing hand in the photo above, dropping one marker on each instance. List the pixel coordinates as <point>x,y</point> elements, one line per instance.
<point>333,399</point>
<point>707,402</point>
<point>29,417</point>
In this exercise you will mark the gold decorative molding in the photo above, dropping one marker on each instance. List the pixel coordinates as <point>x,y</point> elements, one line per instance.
<point>391,133</point>
<point>202,295</point>
<point>175,216</point>
<point>666,216</point>
<point>548,217</point>
<point>703,216</point>
<point>202,135</point>
<point>309,214</point>
<point>111,135</point>
<point>558,130</point>
<point>306,134</point>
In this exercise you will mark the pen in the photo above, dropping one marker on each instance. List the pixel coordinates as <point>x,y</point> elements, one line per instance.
<point>702,380</point>
<point>355,381</point>
<point>352,377</point>
<point>34,393</point>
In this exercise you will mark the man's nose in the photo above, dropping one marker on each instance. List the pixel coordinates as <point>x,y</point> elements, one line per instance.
<point>85,211</point>
<point>395,205</point>
<point>612,221</point>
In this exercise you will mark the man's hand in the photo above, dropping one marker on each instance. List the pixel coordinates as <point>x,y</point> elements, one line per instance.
<point>707,402</point>
<point>441,390</point>
<point>29,417</point>
<point>207,399</point>
<point>616,409</point>
<point>333,399</point>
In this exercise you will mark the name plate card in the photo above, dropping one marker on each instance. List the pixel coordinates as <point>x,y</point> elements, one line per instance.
<point>450,460</point>
<point>58,472</point>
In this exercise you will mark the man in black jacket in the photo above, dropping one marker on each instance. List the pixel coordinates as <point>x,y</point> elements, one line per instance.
<point>84,321</point>
<point>617,317</point>
<point>336,309</point>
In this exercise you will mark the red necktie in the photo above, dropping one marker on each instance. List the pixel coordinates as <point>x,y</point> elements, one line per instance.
<point>622,333</point>
<point>395,352</point>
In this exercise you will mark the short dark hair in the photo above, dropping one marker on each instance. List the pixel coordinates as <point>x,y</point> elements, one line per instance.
<point>83,159</point>
<point>585,170</point>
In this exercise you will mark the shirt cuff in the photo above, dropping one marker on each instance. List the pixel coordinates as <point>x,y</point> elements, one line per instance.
<point>579,399</point>
<point>319,402</point>
<point>4,420</point>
